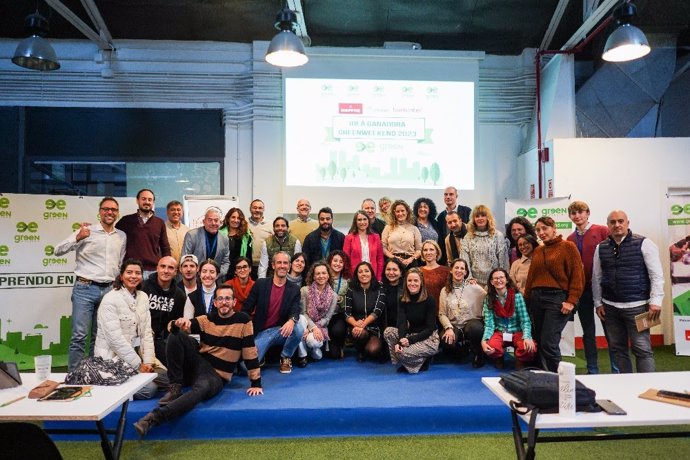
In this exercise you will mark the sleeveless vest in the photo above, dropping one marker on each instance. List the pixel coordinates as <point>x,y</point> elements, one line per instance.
<point>624,273</point>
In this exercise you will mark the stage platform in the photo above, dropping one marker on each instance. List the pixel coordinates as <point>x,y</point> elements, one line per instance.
<point>342,398</point>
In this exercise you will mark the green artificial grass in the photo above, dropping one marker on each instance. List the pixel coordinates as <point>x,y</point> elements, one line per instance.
<point>466,446</point>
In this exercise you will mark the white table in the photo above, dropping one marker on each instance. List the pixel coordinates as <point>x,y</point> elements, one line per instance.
<point>103,401</point>
<point>624,390</point>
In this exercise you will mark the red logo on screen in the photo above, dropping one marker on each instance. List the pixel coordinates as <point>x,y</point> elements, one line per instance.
<point>356,109</point>
<point>687,335</point>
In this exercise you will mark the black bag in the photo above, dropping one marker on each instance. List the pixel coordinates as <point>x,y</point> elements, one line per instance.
<point>539,389</point>
<point>99,371</point>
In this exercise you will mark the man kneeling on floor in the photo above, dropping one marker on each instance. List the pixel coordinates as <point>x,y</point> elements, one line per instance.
<point>226,337</point>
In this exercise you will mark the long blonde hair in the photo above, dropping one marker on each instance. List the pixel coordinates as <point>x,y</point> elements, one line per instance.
<point>482,210</point>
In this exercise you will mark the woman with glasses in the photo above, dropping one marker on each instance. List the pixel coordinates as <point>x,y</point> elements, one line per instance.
<point>555,282</point>
<point>506,321</point>
<point>415,340</point>
<point>241,283</point>
<point>519,269</point>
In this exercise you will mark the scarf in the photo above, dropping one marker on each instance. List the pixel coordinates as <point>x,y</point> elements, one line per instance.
<point>507,310</point>
<point>318,304</point>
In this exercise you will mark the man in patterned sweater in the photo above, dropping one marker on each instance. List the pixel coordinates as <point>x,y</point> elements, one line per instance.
<point>226,337</point>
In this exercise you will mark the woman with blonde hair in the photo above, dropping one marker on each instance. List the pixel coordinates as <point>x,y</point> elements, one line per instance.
<point>435,275</point>
<point>401,239</point>
<point>484,247</point>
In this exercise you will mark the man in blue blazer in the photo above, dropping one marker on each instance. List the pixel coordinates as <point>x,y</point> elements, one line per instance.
<point>275,306</point>
<point>207,243</point>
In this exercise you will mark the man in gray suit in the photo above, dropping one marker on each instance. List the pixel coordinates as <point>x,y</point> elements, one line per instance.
<point>206,243</point>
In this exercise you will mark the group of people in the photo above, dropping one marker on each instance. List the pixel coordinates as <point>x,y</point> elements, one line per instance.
<point>400,286</point>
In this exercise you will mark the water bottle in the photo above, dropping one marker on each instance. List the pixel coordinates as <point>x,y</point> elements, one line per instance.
<point>566,389</point>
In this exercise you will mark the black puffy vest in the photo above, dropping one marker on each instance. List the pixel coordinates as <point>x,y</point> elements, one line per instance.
<point>624,273</point>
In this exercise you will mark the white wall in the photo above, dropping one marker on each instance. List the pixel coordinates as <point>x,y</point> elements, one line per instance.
<point>629,174</point>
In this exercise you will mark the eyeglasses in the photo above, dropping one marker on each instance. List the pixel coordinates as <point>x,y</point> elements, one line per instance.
<point>498,278</point>
<point>109,209</point>
<point>242,267</point>
<point>226,299</point>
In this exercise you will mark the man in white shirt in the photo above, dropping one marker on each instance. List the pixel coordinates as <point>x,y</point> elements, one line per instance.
<point>100,249</point>
<point>627,280</point>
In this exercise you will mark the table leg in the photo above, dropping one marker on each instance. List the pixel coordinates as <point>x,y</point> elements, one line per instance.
<point>517,437</point>
<point>111,451</point>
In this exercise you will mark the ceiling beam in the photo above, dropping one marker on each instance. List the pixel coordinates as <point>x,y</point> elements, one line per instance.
<point>300,25</point>
<point>97,19</point>
<point>597,15</point>
<point>81,26</point>
<point>553,25</point>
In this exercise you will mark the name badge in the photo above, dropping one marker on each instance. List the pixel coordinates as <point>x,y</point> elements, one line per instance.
<point>507,337</point>
<point>136,341</point>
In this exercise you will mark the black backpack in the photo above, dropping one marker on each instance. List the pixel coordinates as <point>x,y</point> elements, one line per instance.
<point>537,391</point>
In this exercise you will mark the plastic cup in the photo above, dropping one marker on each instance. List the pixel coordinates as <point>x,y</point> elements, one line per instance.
<point>43,364</point>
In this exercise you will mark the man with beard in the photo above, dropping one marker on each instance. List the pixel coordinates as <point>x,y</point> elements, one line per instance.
<point>100,249</point>
<point>281,241</point>
<point>226,338</point>
<point>450,198</point>
<point>147,239</point>
<point>303,224</point>
<point>275,306</point>
<point>207,243</point>
<point>456,232</point>
<point>260,231</point>
<point>369,207</point>
<point>166,302</point>
<point>319,243</point>
<point>189,269</point>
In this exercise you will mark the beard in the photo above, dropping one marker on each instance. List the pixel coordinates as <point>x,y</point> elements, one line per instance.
<point>326,227</point>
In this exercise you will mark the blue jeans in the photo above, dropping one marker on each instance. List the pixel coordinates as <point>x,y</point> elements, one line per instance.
<point>585,311</point>
<point>620,323</point>
<point>271,337</point>
<point>86,298</point>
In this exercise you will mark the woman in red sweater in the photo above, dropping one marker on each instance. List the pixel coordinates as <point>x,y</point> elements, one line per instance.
<point>554,284</point>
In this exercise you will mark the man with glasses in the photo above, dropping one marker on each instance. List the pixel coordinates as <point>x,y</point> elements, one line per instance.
<point>226,337</point>
<point>100,249</point>
<point>147,239</point>
<point>627,280</point>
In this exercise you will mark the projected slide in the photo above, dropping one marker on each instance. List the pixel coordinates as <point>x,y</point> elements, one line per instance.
<point>378,133</point>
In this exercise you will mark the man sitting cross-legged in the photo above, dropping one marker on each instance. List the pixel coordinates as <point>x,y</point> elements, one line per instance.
<point>226,337</point>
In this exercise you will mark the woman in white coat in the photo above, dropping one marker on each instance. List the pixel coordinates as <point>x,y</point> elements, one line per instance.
<point>124,325</point>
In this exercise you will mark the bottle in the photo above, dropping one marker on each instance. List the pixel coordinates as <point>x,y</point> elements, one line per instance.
<point>566,389</point>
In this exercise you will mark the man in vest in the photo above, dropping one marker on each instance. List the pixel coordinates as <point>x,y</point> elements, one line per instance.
<point>280,241</point>
<point>627,280</point>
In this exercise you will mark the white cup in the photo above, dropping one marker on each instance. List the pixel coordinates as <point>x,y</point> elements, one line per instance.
<point>43,363</point>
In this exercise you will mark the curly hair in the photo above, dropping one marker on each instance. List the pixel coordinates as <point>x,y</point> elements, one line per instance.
<point>392,221</point>
<point>346,262</point>
<point>429,203</point>
<point>314,266</point>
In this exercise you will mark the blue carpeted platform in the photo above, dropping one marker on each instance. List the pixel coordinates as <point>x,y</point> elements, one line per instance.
<point>341,398</point>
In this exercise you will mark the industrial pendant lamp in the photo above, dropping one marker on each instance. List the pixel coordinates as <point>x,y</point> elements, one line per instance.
<point>35,52</point>
<point>286,48</point>
<point>627,42</point>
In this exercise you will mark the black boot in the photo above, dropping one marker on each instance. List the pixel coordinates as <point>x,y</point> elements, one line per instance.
<point>147,422</point>
<point>174,392</point>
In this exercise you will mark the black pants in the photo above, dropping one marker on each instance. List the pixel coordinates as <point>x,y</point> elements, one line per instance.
<point>471,332</point>
<point>545,305</point>
<point>337,331</point>
<point>187,367</point>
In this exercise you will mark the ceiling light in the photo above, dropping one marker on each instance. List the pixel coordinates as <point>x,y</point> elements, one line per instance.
<point>627,42</point>
<point>35,52</point>
<point>286,48</point>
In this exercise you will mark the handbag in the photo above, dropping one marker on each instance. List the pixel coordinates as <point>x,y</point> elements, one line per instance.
<point>43,389</point>
<point>94,370</point>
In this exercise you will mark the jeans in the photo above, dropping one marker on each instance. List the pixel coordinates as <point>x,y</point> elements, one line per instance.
<point>309,344</point>
<point>187,366</point>
<point>546,304</point>
<point>86,298</point>
<point>620,323</point>
<point>586,312</point>
<point>271,337</point>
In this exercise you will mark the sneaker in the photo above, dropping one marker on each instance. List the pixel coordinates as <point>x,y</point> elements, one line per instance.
<point>174,392</point>
<point>285,365</point>
<point>300,361</point>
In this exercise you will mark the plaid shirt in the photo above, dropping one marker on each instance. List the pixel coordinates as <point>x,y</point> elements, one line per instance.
<point>518,322</point>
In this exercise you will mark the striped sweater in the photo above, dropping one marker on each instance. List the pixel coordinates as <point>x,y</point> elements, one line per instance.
<point>224,341</point>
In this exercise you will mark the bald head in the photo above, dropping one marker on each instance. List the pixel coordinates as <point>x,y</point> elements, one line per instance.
<point>166,270</point>
<point>618,224</point>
